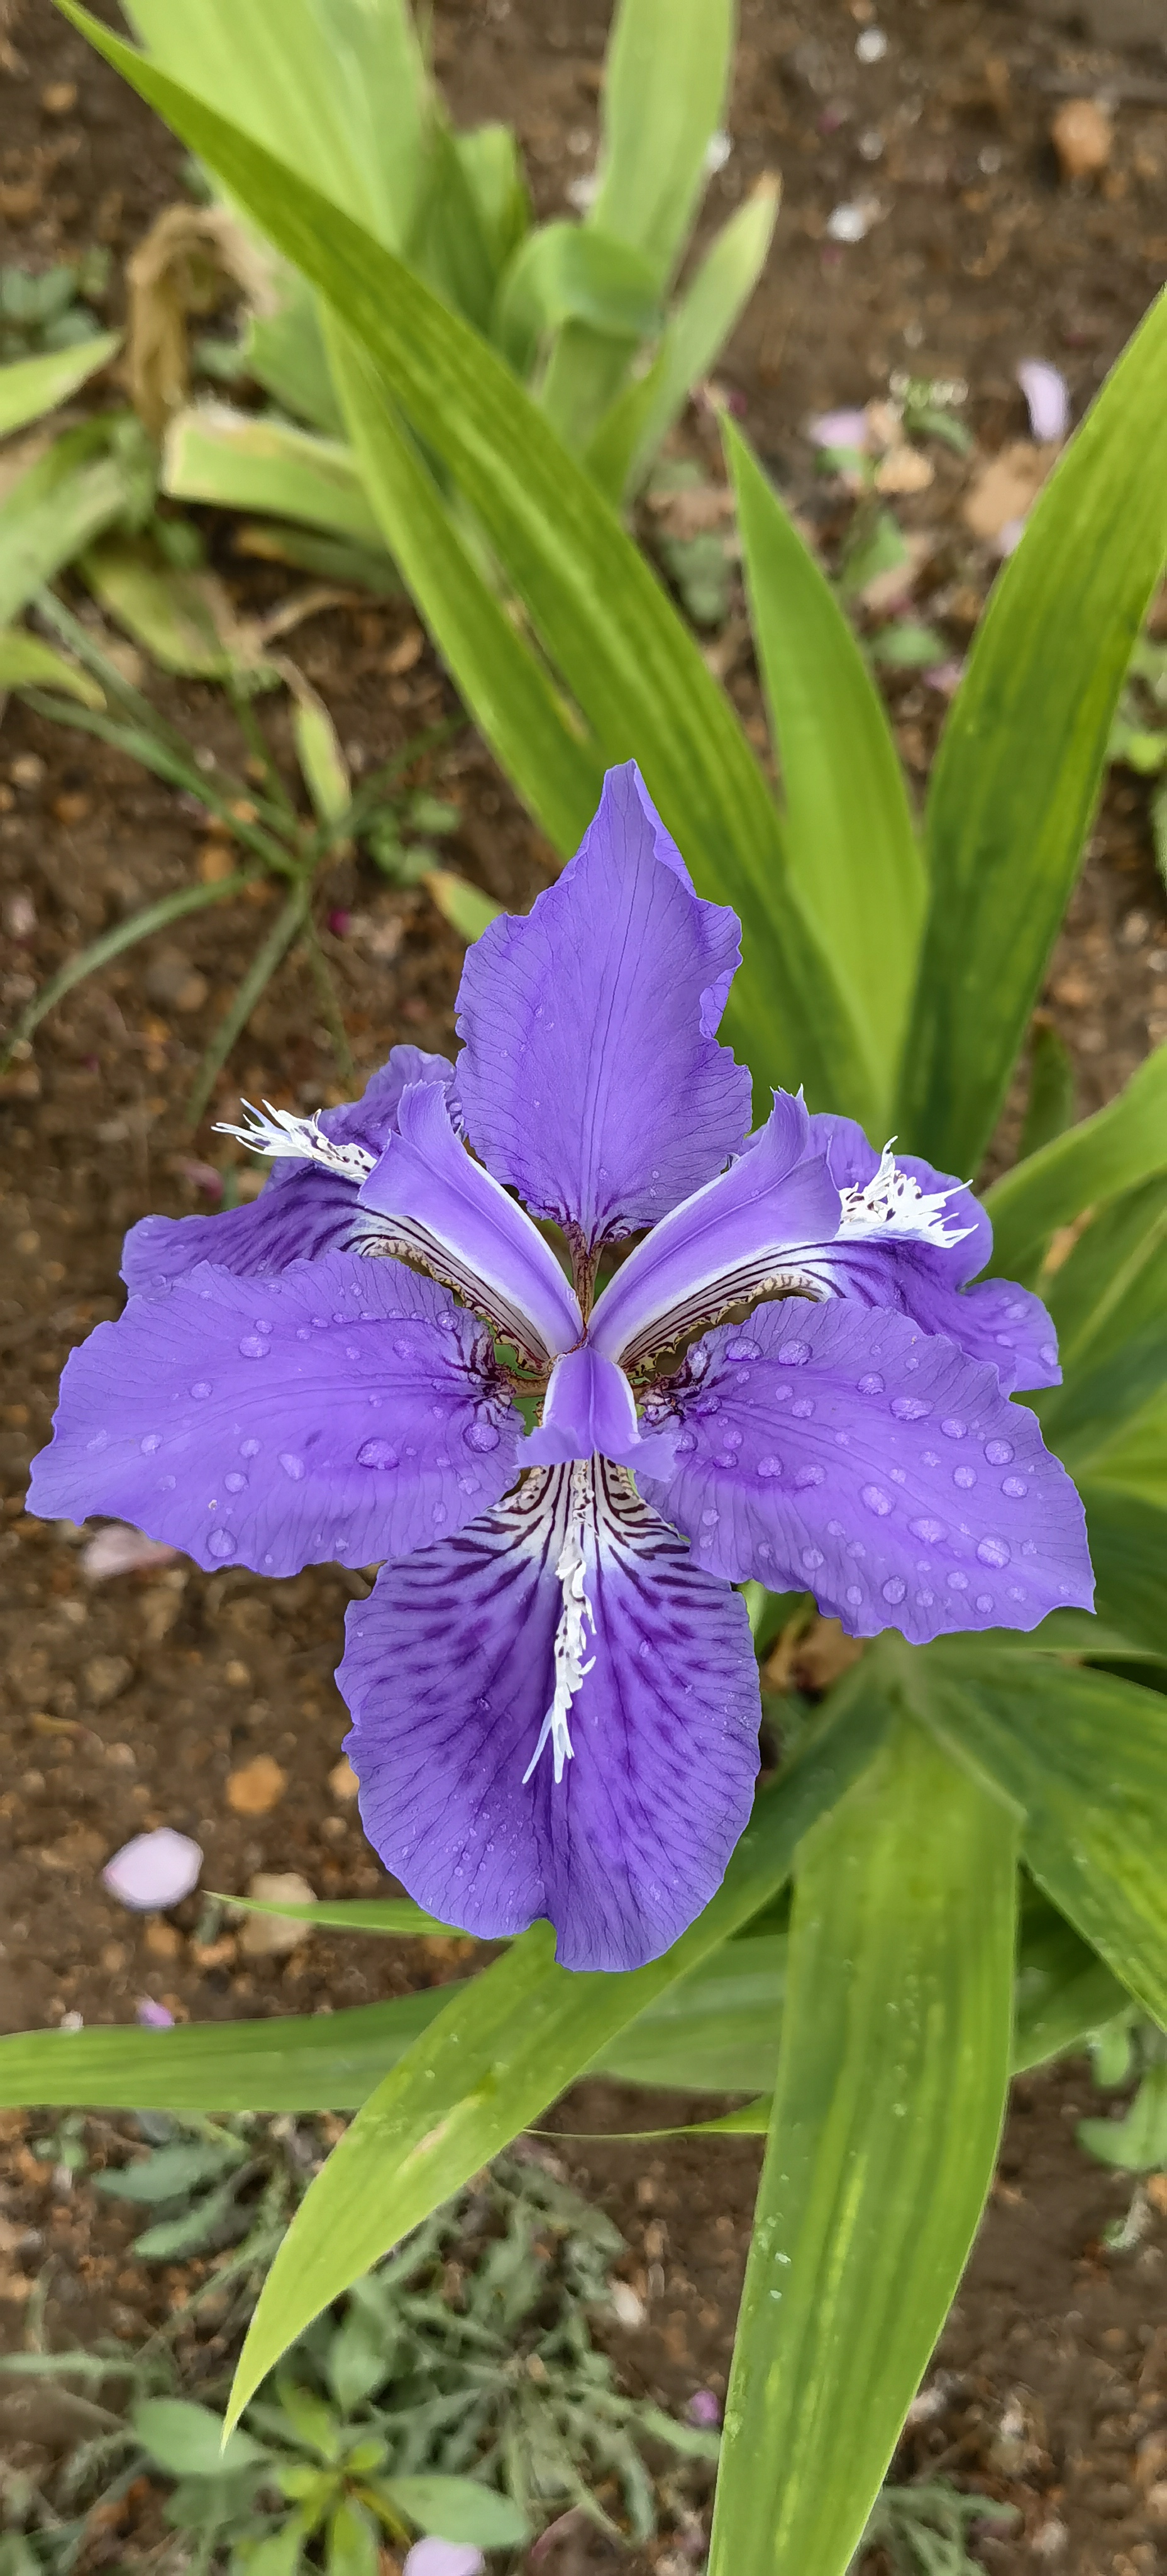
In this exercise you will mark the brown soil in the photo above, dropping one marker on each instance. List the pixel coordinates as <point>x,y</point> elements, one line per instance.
<point>131,1703</point>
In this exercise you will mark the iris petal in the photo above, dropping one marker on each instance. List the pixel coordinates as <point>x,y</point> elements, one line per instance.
<point>591,1078</point>
<point>839,1450</point>
<point>345,1410</point>
<point>450,1673</point>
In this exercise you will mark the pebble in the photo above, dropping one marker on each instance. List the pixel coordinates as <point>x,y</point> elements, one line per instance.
<point>1082,134</point>
<point>257,1787</point>
<point>163,1940</point>
<point>343,1781</point>
<point>105,1676</point>
<point>271,1936</point>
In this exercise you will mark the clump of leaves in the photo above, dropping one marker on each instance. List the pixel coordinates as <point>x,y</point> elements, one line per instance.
<point>690,537</point>
<point>924,2530</point>
<point>1136,2143</point>
<point>40,313</point>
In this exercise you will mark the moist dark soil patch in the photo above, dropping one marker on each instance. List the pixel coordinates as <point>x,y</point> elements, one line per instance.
<point>130,1704</point>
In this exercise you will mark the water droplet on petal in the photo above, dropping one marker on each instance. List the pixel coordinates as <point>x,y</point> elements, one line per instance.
<point>166,1484</point>
<point>252,1348</point>
<point>929,1531</point>
<point>964,1476</point>
<point>908,1408</point>
<point>994,1551</point>
<point>803,1409</point>
<point>854,1593</point>
<point>439,1514</point>
<point>958,1582</point>
<point>482,1435</point>
<point>894,1589</point>
<point>235,1483</point>
<point>954,1428</point>
<point>292,1466</point>
<point>925,1600</point>
<point>1015,1487</point>
<point>835,1529</point>
<point>709,1520</point>
<point>220,1543</point>
<point>686,1442</point>
<point>984,1601</point>
<point>793,1354</point>
<point>929,1458</point>
<point>871,1385</point>
<point>998,1452</point>
<point>808,1476</point>
<point>152,1441</point>
<point>1048,1351</point>
<point>812,1557</point>
<point>376,1453</point>
<point>201,1387</point>
<point>769,1466</point>
<point>743,1350</point>
<point>249,1448</point>
<point>876,1500</point>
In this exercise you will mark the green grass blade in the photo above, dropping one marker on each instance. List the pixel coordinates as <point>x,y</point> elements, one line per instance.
<point>312,2062</point>
<point>389,1914</point>
<point>125,934</point>
<point>1023,752</point>
<point>851,845</point>
<point>505,687</point>
<point>1123,1144</point>
<point>32,386</point>
<point>1049,1109</point>
<point>289,920</point>
<point>1083,1757</point>
<point>887,2110</point>
<point>1114,1281</point>
<point>505,2047</point>
<point>603,618</point>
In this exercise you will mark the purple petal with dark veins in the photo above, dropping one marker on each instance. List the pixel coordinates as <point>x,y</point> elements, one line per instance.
<point>303,1211</point>
<point>837,1449</point>
<point>995,1321</point>
<point>441,1208</point>
<point>449,1673</point>
<point>590,1410</point>
<point>345,1410</point>
<point>590,1077</point>
<point>732,1241</point>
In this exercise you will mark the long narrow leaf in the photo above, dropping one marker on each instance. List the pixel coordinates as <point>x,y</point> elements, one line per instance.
<point>850,842</point>
<point>225,457</point>
<point>887,2110</point>
<point>1114,1281</point>
<point>605,621</point>
<point>1023,753</point>
<point>666,76</point>
<point>1128,1545</point>
<point>313,2062</point>
<point>32,386</point>
<point>504,2048</point>
<point>1084,1759</point>
<point>1123,1144</point>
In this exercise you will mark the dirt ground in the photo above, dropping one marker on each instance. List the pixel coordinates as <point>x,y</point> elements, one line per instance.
<point>134,1702</point>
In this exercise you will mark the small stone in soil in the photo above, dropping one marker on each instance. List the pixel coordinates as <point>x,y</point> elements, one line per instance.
<point>343,1781</point>
<point>257,1787</point>
<point>105,1676</point>
<point>271,1936</point>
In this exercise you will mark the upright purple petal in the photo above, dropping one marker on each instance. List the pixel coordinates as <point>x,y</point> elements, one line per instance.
<point>345,1410</point>
<point>745,1235</point>
<point>443,1209</point>
<point>838,1449</point>
<point>451,1671</point>
<point>303,1210</point>
<point>590,1410</point>
<point>590,1077</point>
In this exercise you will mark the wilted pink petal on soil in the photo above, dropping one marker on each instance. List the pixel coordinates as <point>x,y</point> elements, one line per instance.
<point>703,2408</point>
<point>154,1870</point>
<point>118,1549</point>
<point>1048,396</point>
<point>842,429</point>
<point>432,2557</point>
<point>153,2016</point>
<point>944,676</point>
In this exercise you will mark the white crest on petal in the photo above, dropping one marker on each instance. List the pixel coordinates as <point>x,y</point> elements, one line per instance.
<point>892,1202</point>
<point>285,1138</point>
<point>575,1618</point>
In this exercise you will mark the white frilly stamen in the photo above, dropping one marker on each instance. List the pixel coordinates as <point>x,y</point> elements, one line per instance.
<point>575,1618</point>
<point>285,1138</point>
<point>892,1202</point>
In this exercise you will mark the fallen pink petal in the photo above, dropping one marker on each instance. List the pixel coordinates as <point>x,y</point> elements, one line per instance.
<point>152,2016</point>
<point>118,1549</point>
<point>153,1871</point>
<point>842,429</point>
<point>1048,397</point>
<point>433,2557</point>
<point>703,2408</point>
<point>945,677</point>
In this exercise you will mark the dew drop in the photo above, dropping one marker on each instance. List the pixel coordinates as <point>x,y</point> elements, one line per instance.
<point>898,1476</point>
<point>994,1551</point>
<point>303,1333</point>
<point>744,1350</point>
<point>376,1453</point>
<point>482,1435</point>
<point>908,1408</point>
<point>984,1601</point>
<point>709,1520</point>
<point>929,1531</point>
<point>220,1543</point>
<point>166,1484</point>
<point>871,1385</point>
<point>249,1448</point>
<point>1015,1487</point>
<point>925,1600</point>
<point>812,1557</point>
<point>351,1352</point>
<point>152,1441</point>
<point>803,1409</point>
<point>439,1514</point>
<point>954,1428</point>
<point>958,1582</point>
<point>686,1442</point>
<point>235,1483</point>
<point>1029,1547</point>
<point>998,1452</point>
<point>252,1348</point>
<point>291,1464</point>
<point>769,1466</point>
<point>1015,1592</point>
<point>964,1476</point>
<point>857,1548</point>
<point>876,1500</point>
<point>809,1476</point>
<point>854,1593</point>
<point>894,1588</point>
<point>1049,1353</point>
<point>201,1387</point>
<point>929,1458</point>
<point>835,1529</point>
<point>793,1354</point>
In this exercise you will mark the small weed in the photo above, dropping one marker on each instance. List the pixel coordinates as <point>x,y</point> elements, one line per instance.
<point>46,312</point>
<point>923,2530</point>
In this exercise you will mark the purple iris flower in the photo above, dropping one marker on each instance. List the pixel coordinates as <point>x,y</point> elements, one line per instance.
<point>789,1377</point>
